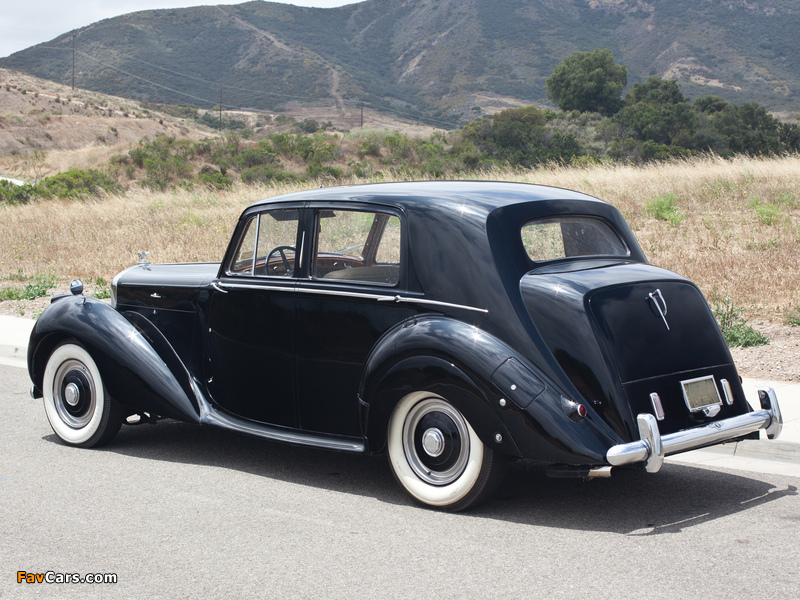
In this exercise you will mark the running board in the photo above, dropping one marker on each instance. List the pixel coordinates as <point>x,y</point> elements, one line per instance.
<point>211,416</point>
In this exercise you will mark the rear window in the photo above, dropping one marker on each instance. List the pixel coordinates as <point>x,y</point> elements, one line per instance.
<point>570,236</point>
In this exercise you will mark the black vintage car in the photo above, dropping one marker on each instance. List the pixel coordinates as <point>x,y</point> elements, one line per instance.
<point>456,326</point>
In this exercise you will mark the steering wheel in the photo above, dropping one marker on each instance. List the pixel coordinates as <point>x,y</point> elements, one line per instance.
<point>282,251</point>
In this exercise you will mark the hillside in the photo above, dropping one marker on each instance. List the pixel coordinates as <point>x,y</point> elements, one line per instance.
<point>47,127</point>
<point>449,60</point>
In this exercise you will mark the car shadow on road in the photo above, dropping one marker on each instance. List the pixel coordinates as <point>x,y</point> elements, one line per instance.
<point>632,502</point>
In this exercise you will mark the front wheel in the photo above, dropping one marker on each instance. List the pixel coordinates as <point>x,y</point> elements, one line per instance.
<point>437,457</point>
<point>76,403</point>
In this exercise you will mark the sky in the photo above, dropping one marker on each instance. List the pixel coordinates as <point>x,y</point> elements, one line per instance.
<point>27,23</point>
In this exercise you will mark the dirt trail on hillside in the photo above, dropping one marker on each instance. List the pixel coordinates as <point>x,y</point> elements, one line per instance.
<point>333,91</point>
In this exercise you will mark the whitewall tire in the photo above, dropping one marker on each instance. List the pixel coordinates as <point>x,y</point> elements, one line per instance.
<point>437,457</point>
<point>76,403</point>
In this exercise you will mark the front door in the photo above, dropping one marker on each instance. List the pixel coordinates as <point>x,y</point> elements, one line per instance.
<point>251,322</point>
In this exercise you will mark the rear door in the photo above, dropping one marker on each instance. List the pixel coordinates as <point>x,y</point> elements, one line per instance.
<point>345,304</point>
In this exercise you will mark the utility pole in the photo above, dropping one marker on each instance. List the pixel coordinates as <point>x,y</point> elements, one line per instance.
<point>220,108</point>
<point>362,114</point>
<point>73,62</point>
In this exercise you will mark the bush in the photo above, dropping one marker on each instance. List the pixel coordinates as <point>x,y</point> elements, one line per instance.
<point>266,174</point>
<point>253,157</point>
<point>521,136</point>
<point>76,183</point>
<point>16,194</point>
<point>664,208</point>
<point>38,288</point>
<point>766,212</point>
<point>215,179</point>
<point>734,327</point>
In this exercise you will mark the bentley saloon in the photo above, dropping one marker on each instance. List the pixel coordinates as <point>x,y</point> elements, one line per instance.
<point>455,326</point>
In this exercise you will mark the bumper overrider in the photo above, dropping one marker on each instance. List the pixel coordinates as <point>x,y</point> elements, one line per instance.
<point>653,447</point>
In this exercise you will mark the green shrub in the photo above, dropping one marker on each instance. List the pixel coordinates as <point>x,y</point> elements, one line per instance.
<point>215,180</point>
<point>266,174</point>
<point>76,183</point>
<point>734,327</point>
<point>252,157</point>
<point>664,208</point>
<point>766,212</point>
<point>38,288</point>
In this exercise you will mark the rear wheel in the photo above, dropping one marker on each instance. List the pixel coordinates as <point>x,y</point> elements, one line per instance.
<point>76,403</point>
<point>437,457</point>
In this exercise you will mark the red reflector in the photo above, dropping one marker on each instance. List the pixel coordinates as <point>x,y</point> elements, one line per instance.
<point>658,408</point>
<point>581,410</point>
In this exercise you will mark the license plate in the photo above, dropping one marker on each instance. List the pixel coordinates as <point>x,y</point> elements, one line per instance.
<point>700,393</point>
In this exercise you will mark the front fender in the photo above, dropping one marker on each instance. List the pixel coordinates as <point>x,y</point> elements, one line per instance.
<point>134,373</point>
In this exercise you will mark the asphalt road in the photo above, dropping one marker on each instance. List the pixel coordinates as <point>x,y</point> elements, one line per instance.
<point>182,511</point>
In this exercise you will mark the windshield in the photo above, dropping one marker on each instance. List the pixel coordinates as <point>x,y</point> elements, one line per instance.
<point>557,237</point>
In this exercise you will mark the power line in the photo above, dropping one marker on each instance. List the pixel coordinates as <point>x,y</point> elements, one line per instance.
<point>232,87</point>
<point>372,105</point>
<point>136,76</point>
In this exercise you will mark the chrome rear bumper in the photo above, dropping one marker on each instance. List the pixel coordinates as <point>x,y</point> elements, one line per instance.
<point>652,447</point>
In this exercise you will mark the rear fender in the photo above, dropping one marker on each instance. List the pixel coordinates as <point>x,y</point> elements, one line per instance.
<point>441,355</point>
<point>140,369</point>
<point>440,377</point>
<point>463,364</point>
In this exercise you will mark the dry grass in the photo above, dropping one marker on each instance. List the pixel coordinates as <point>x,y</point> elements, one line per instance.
<point>740,232</point>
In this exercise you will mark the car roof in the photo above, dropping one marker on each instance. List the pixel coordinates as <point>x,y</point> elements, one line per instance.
<point>480,196</point>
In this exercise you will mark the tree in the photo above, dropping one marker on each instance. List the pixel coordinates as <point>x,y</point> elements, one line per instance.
<point>522,136</point>
<point>658,112</point>
<point>656,91</point>
<point>709,104</point>
<point>588,82</point>
<point>748,129</point>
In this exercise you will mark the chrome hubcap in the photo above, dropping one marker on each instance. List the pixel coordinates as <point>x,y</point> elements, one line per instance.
<point>436,441</point>
<point>72,394</point>
<point>433,442</point>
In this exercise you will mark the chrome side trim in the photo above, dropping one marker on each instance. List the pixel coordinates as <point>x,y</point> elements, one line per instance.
<point>652,447</point>
<point>379,298</point>
<point>210,416</point>
<point>432,303</point>
<point>343,294</point>
<point>218,285</point>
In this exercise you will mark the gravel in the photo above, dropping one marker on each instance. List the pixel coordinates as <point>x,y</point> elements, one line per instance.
<point>777,361</point>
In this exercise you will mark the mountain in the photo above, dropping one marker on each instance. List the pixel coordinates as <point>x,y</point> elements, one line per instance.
<point>450,60</point>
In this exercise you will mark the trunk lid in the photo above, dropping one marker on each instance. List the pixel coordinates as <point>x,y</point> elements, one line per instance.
<point>623,332</point>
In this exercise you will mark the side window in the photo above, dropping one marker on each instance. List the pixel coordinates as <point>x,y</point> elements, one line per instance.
<point>267,246</point>
<point>388,251</point>
<point>564,237</point>
<point>243,259</point>
<point>357,246</point>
